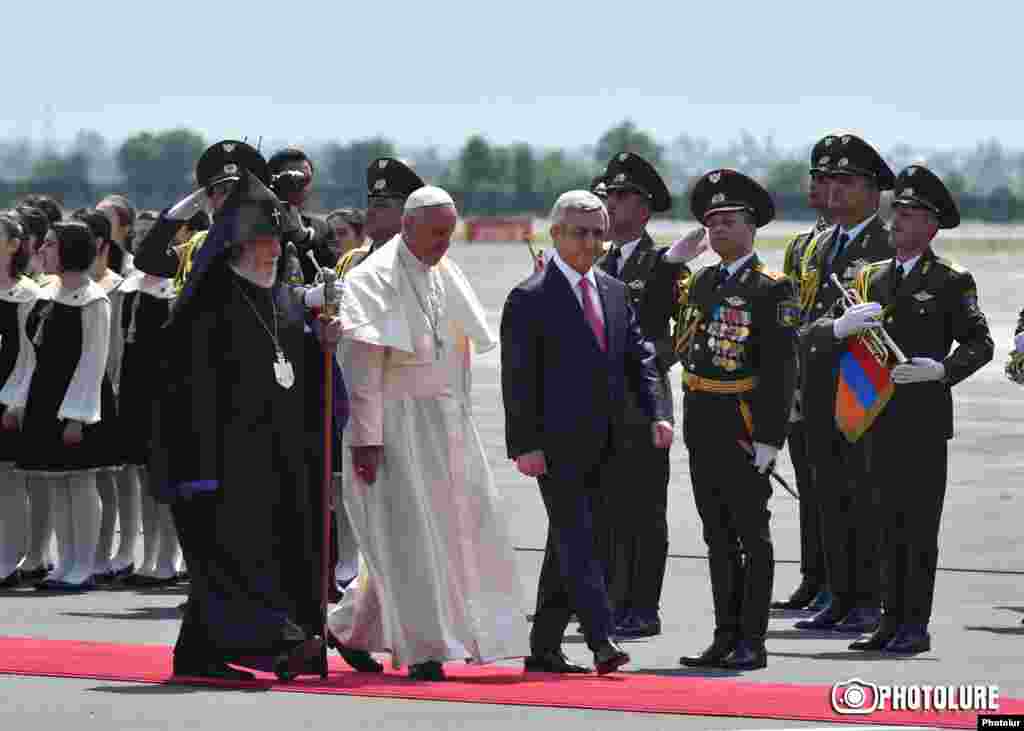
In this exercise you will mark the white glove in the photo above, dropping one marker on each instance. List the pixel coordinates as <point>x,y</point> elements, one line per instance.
<point>764,457</point>
<point>184,209</point>
<point>918,370</point>
<point>314,296</point>
<point>856,319</point>
<point>1018,342</point>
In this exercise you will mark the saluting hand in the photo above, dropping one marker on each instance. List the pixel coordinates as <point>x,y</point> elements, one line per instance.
<point>690,246</point>
<point>532,464</point>
<point>662,433</point>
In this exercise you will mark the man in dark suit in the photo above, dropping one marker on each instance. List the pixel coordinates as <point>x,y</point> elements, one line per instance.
<point>569,340</point>
<point>929,302</point>
<point>737,345</point>
<point>848,496</point>
<point>633,522</point>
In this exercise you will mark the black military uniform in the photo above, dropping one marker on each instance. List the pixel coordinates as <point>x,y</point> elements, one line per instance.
<point>848,499</point>
<point>387,177</point>
<point>737,342</point>
<point>926,309</point>
<point>812,592</point>
<point>635,484</point>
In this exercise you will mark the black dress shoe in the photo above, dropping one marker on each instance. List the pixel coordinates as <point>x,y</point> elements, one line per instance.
<point>712,657</point>
<point>801,597</point>
<point>12,581</point>
<point>429,670</point>
<point>826,619</point>
<point>211,669</point>
<point>35,575</point>
<point>359,660</point>
<point>910,639</point>
<point>859,621</point>
<point>609,658</point>
<point>552,661</point>
<point>747,656</point>
<point>877,641</point>
<point>297,659</point>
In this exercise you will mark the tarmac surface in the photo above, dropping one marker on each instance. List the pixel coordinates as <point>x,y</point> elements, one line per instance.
<point>977,632</point>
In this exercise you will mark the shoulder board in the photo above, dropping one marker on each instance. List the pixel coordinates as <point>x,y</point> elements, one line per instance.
<point>950,264</point>
<point>874,267</point>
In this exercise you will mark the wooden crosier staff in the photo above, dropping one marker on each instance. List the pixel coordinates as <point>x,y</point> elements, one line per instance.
<point>327,313</point>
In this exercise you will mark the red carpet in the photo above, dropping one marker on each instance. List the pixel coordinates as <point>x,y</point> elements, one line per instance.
<point>687,695</point>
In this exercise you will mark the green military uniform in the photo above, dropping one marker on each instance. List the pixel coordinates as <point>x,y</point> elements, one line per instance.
<point>848,499</point>
<point>926,310</point>
<point>633,520</point>
<point>736,339</point>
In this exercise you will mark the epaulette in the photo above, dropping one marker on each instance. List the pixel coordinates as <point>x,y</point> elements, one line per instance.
<point>950,264</point>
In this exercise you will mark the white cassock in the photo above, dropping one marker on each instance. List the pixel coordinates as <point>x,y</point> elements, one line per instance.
<point>441,580</point>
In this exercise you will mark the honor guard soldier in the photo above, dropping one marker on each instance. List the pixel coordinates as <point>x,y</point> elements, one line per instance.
<point>736,340</point>
<point>812,592</point>
<point>291,180</point>
<point>848,497</point>
<point>633,524</point>
<point>925,303</point>
<point>218,169</point>
<point>388,183</point>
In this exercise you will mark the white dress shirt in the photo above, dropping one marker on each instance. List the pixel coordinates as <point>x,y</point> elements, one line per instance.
<point>574,278</point>
<point>907,266</point>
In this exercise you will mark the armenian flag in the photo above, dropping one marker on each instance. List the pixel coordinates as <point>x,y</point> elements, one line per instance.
<point>865,387</point>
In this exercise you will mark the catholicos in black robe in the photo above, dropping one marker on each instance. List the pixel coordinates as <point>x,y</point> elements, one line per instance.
<point>230,456</point>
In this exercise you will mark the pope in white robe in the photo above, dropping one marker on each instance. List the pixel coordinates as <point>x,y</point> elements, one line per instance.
<point>440,579</point>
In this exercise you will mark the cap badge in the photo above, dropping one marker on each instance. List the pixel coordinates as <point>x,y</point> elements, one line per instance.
<point>380,184</point>
<point>231,168</point>
<point>829,140</point>
<point>717,198</point>
<point>228,147</point>
<point>736,301</point>
<point>843,162</point>
<point>908,192</point>
<point>845,140</point>
<point>620,178</point>
<point>276,215</point>
<point>714,178</point>
<point>382,164</point>
<point>623,157</point>
<point>824,160</point>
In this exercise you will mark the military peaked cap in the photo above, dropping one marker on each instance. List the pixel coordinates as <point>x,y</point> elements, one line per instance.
<point>628,171</point>
<point>228,160</point>
<point>822,157</point>
<point>728,190</point>
<point>853,156</point>
<point>919,187</point>
<point>387,177</point>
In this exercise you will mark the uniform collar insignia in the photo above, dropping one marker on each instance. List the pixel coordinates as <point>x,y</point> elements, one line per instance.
<point>923,296</point>
<point>636,284</point>
<point>736,301</point>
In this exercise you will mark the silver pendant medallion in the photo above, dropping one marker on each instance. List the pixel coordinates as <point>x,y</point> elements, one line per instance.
<point>283,371</point>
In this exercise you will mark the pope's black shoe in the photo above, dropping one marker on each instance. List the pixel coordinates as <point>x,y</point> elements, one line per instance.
<point>859,621</point>
<point>910,639</point>
<point>723,644</point>
<point>35,575</point>
<point>429,670</point>
<point>877,641</point>
<point>553,661</point>
<point>747,656</point>
<point>211,669</point>
<point>638,625</point>
<point>801,597</point>
<point>359,660</point>
<point>826,619</point>
<point>609,657</point>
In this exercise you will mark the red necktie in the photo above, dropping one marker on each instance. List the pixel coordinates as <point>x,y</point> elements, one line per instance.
<point>593,318</point>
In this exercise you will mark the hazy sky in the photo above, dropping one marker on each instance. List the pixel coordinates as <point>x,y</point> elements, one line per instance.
<point>549,73</point>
